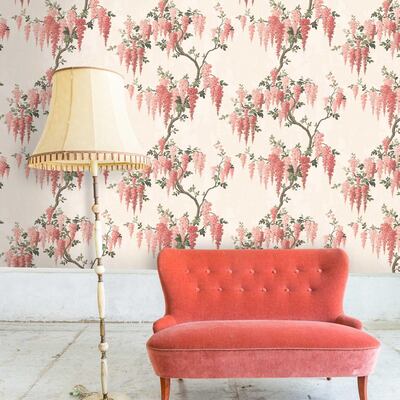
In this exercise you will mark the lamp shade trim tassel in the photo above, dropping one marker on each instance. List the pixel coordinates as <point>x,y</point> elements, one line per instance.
<point>80,160</point>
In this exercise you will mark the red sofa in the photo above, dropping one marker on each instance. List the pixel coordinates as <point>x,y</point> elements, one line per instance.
<point>257,314</point>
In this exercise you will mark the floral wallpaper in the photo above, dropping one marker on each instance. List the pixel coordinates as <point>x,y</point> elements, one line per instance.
<point>269,125</point>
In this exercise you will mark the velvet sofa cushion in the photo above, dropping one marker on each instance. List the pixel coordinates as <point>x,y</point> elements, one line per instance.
<point>261,348</point>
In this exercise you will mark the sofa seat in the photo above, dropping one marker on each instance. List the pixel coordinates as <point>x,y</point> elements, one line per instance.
<point>261,348</point>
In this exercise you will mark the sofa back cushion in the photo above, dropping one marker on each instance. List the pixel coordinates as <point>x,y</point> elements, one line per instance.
<point>304,284</point>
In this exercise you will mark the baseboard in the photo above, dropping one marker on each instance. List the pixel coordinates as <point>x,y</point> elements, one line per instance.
<point>135,295</point>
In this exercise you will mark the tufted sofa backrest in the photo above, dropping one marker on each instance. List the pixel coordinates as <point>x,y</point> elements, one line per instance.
<point>253,284</point>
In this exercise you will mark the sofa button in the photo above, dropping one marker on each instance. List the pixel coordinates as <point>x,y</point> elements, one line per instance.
<point>309,289</point>
<point>230,270</point>
<point>197,289</point>
<point>187,271</point>
<point>296,270</point>
<point>264,289</point>
<point>287,290</point>
<point>274,271</point>
<point>241,289</point>
<point>220,289</point>
<point>208,271</point>
<point>252,271</point>
<point>319,270</point>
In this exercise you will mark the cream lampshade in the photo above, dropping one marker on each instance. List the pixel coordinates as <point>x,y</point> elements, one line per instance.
<point>88,128</point>
<point>88,121</point>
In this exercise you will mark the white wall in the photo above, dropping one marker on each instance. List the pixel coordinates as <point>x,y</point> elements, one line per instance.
<point>70,295</point>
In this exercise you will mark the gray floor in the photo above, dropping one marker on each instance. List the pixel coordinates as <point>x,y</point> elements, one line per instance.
<point>45,361</point>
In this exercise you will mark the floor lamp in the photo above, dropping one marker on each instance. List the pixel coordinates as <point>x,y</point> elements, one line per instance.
<point>88,128</point>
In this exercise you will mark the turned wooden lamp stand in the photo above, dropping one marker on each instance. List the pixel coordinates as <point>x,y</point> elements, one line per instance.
<point>88,128</point>
<point>99,269</point>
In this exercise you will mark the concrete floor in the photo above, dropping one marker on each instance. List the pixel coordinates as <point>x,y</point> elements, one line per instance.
<point>45,361</point>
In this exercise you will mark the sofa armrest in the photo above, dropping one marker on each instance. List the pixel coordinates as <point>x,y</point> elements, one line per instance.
<point>165,322</point>
<point>349,321</point>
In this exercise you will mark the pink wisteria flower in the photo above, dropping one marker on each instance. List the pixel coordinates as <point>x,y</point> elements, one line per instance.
<point>164,24</point>
<point>362,38</point>
<point>383,164</point>
<point>277,230</point>
<point>384,100</point>
<point>280,96</point>
<point>283,29</point>
<point>4,29</point>
<point>383,237</point>
<point>337,237</point>
<point>177,232</point>
<point>57,235</point>
<point>4,167</point>
<point>58,28</point>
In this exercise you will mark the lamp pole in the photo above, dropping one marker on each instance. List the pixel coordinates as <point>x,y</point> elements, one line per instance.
<point>99,269</point>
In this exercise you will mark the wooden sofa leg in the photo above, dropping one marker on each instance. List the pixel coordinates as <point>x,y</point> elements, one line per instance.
<point>165,388</point>
<point>328,378</point>
<point>362,387</point>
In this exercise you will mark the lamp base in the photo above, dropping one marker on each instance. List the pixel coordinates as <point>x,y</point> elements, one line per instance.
<point>80,392</point>
<point>111,396</point>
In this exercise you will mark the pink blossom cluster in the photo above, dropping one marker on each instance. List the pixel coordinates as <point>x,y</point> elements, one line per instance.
<point>384,238</point>
<point>21,258</point>
<point>57,27</point>
<point>103,17</point>
<point>337,100</point>
<point>114,238</point>
<point>383,27</point>
<point>361,174</point>
<point>168,233</point>
<point>273,169</point>
<point>212,221</point>
<point>280,231</point>
<point>213,84</point>
<point>244,124</point>
<point>4,29</point>
<point>356,190</point>
<point>326,153</point>
<point>281,27</point>
<point>131,52</point>
<point>274,31</point>
<point>166,97</point>
<point>336,239</point>
<point>178,233</point>
<point>175,164</point>
<point>51,178</point>
<point>224,170</point>
<point>57,232</point>
<point>132,192</point>
<point>166,23</point>
<point>283,166</point>
<point>356,55</point>
<point>282,94</point>
<point>225,32</point>
<point>24,106</point>
<point>18,258</point>
<point>385,100</point>
<point>4,167</point>
<point>327,17</point>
